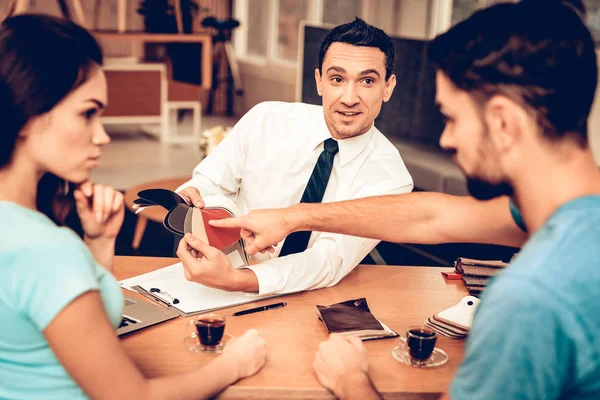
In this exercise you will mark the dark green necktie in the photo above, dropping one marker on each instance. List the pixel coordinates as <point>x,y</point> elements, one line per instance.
<point>313,193</point>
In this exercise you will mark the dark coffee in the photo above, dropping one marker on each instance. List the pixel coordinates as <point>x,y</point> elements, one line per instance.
<point>210,330</point>
<point>421,342</point>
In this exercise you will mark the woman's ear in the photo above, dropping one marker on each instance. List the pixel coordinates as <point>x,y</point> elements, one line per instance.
<point>35,124</point>
<point>25,130</point>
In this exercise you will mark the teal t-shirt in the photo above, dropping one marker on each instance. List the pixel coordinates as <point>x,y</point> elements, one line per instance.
<point>42,269</point>
<point>536,333</point>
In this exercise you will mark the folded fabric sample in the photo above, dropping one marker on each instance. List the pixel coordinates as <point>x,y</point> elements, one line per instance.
<point>477,273</point>
<point>456,321</point>
<point>353,318</point>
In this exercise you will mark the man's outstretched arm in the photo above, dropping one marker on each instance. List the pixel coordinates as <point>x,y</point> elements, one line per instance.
<point>419,218</point>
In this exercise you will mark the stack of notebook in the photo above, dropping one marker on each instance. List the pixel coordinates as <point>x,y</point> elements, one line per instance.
<point>477,273</point>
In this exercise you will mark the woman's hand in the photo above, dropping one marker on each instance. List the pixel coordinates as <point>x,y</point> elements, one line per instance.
<point>100,210</point>
<point>247,352</point>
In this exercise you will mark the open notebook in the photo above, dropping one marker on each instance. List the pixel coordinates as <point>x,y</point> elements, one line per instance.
<point>169,287</point>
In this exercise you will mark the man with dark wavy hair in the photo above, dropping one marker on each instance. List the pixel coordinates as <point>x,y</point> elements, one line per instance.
<point>516,83</point>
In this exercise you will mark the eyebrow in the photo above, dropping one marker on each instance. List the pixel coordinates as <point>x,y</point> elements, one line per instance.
<point>98,103</point>
<point>370,71</point>
<point>337,69</point>
<point>362,73</point>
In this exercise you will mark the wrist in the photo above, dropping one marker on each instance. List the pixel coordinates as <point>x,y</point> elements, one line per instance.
<point>102,249</point>
<point>100,244</point>
<point>244,280</point>
<point>355,385</point>
<point>294,218</point>
<point>99,239</point>
<point>229,363</point>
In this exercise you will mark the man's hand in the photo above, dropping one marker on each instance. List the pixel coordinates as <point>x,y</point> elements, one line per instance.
<point>100,209</point>
<point>211,267</point>
<point>192,196</point>
<point>341,366</point>
<point>260,229</point>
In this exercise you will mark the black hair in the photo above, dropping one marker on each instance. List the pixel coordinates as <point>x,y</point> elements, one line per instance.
<point>359,33</point>
<point>537,52</point>
<point>42,59</point>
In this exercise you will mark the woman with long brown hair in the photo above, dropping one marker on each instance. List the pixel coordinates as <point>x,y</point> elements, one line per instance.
<point>59,303</point>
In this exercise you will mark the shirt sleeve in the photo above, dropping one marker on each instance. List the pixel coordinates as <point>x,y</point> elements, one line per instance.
<point>516,215</point>
<point>325,263</point>
<point>50,276</point>
<point>518,348</point>
<point>220,173</point>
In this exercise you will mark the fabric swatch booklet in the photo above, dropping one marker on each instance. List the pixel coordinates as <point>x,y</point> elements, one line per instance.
<point>183,218</point>
<point>354,318</point>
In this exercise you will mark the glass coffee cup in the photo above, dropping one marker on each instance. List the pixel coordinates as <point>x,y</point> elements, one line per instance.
<point>206,333</point>
<point>421,342</point>
<point>417,348</point>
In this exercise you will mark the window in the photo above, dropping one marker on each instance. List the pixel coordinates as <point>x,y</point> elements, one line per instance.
<point>289,15</point>
<point>269,28</point>
<point>336,12</point>
<point>593,18</point>
<point>258,28</point>
<point>461,9</point>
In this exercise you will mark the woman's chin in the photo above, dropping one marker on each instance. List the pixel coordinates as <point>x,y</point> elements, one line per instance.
<point>77,178</point>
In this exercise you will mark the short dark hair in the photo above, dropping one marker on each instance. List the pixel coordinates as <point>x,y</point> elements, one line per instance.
<point>538,53</point>
<point>42,59</point>
<point>359,33</point>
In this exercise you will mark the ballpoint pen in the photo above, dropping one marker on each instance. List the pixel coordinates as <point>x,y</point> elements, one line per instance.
<point>261,308</point>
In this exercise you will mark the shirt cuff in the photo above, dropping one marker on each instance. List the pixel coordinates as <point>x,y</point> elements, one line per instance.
<point>267,275</point>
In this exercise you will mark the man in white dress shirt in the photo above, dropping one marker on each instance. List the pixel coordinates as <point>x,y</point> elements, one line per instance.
<point>268,157</point>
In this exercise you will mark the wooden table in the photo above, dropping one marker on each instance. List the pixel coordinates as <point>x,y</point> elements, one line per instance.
<point>202,37</point>
<point>154,213</point>
<point>398,296</point>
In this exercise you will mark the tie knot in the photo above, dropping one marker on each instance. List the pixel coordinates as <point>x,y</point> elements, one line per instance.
<point>331,146</point>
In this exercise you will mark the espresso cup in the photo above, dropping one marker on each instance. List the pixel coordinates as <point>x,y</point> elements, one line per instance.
<point>207,330</point>
<point>421,342</point>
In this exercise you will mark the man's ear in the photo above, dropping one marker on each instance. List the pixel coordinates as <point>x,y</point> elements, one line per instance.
<point>318,81</point>
<point>505,120</point>
<point>389,88</point>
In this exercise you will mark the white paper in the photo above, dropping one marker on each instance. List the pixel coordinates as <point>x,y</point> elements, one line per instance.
<point>193,297</point>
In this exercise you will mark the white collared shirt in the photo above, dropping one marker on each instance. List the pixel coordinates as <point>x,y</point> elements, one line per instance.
<point>266,161</point>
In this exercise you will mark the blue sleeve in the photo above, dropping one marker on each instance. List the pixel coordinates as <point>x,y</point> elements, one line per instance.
<point>51,275</point>
<point>517,217</point>
<point>518,348</point>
